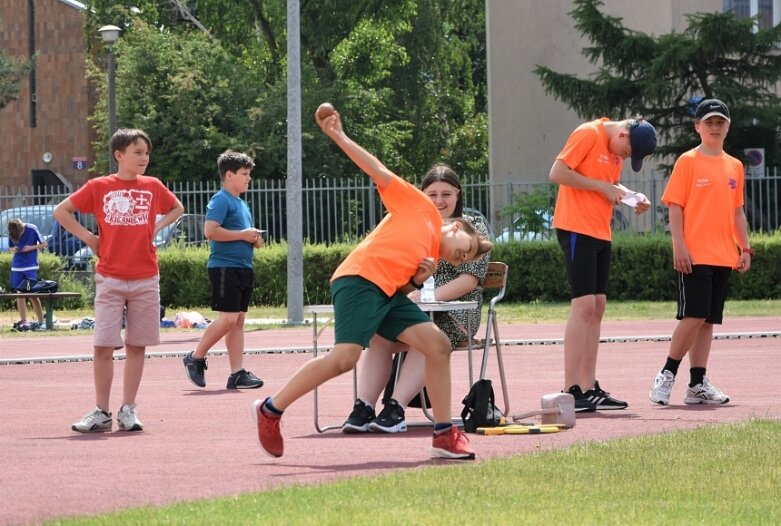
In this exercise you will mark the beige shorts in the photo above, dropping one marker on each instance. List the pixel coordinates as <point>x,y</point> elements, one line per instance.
<point>142,297</point>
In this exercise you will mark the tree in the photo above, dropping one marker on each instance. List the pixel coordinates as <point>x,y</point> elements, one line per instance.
<point>663,77</point>
<point>408,77</point>
<point>11,73</point>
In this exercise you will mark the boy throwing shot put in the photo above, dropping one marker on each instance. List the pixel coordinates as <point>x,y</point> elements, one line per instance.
<point>369,292</point>
<point>710,238</point>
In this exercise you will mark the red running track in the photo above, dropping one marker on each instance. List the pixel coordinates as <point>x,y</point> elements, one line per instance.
<point>202,443</point>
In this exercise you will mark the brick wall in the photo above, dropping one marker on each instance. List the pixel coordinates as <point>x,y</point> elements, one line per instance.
<point>62,93</point>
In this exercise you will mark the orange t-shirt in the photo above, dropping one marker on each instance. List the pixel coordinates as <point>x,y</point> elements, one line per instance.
<point>389,256</point>
<point>709,188</point>
<point>126,212</point>
<point>587,152</point>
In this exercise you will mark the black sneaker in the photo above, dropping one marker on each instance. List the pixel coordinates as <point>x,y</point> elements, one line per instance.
<point>390,419</point>
<point>359,419</point>
<point>244,379</point>
<point>194,369</point>
<point>582,404</point>
<point>602,399</point>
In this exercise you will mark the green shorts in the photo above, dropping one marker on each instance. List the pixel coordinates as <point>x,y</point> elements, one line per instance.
<point>361,310</point>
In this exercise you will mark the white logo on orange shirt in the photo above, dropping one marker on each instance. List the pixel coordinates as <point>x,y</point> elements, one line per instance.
<point>702,182</point>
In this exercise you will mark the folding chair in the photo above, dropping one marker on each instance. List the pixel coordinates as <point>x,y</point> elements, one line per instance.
<point>495,278</point>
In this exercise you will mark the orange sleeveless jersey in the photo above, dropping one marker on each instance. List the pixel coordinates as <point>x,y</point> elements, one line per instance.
<point>709,189</point>
<point>389,256</point>
<point>585,211</point>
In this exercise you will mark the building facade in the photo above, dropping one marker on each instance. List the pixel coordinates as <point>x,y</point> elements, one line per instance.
<point>528,127</point>
<point>45,132</point>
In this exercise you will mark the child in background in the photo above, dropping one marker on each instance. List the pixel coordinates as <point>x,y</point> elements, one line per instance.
<point>24,242</point>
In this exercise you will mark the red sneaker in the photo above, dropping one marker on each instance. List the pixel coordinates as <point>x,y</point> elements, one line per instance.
<point>269,436</point>
<point>453,444</point>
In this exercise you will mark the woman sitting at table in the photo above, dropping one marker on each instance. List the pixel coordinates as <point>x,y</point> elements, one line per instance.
<point>461,283</point>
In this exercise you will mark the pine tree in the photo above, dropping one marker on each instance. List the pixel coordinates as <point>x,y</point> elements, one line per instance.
<point>663,77</point>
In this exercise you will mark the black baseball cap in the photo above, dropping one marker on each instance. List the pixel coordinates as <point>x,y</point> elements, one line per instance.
<point>642,139</point>
<point>711,107</point>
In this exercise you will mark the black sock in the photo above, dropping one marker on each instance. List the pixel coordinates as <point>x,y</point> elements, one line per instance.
<point>698,373</point>
<point>672,365</point>
<point>269,408</point>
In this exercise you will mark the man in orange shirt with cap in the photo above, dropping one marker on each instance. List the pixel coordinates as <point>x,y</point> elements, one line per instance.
<point>588,171</point>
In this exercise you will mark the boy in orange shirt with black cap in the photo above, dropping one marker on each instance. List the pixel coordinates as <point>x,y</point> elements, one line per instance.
<point>708,225</point>
<point>588,170</point>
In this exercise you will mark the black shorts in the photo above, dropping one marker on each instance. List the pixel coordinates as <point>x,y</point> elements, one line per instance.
<point>231,288</point>
<point>702,293</point>
<point>588,262</point>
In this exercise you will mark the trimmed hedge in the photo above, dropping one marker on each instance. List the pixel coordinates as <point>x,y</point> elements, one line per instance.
<point>642,270</point>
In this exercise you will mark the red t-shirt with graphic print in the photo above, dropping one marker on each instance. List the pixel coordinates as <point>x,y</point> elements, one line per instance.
<point>126,212</point>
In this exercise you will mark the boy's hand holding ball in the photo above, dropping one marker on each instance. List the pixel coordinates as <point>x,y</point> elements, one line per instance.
<point>324,111</point>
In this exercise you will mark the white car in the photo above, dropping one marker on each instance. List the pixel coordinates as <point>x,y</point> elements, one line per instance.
<point>38,215</point>
<point>520,230</point>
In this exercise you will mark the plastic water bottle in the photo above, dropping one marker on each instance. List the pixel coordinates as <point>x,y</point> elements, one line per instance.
<point>427,293</point>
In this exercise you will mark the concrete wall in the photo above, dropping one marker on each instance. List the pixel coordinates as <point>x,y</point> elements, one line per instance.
<point>62,93</point>
<point>528,127</point>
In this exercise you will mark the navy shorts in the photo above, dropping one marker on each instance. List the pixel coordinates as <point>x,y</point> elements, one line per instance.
<point>702,293</point>
<point>588,262</point>
<point>231,288</point>
<point>362,309</point>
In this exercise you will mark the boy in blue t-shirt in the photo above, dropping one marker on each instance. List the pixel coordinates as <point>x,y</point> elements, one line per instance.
<point>24,242</point>
<point>232,238</point>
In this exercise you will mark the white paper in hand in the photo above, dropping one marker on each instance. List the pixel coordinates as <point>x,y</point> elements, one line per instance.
<point>631,199</point>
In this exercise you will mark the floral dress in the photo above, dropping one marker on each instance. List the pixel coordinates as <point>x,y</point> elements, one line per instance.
<point>453,323</point>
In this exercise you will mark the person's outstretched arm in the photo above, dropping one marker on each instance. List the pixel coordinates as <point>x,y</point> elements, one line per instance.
<point>332,126</point>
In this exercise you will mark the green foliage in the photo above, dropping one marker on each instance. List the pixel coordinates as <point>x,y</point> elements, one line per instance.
<point>532,211</point>
<point>12,71</point>
<point>641,269</point>
<point>717,55</point>
<point>407,76</point>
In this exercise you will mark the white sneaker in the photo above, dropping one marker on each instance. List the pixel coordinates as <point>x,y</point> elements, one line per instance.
<point>127,419</point>
<point>663,386</point>
<point>96,421</point>
<point>705,393</point>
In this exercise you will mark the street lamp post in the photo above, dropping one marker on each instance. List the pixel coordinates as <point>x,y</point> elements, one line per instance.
<point>110,35</point>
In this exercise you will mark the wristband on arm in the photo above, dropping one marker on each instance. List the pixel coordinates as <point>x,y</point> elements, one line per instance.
<point>412,282</point>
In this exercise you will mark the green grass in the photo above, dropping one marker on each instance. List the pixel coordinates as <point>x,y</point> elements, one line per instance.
<point>727,475</point>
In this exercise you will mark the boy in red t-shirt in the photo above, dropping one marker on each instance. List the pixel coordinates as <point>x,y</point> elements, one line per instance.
<point>708,225</point>
<point>369,292</point>
<point>126,206</point>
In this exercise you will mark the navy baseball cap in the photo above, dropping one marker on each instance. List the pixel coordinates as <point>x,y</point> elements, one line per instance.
<point>642,139</point>
<point>711,107</point>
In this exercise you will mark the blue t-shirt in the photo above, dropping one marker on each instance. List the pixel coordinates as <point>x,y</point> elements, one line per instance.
<point>231,213</point>
<point>26,260</point>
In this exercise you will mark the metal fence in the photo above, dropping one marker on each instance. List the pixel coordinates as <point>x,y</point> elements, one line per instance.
<point>336,210</point>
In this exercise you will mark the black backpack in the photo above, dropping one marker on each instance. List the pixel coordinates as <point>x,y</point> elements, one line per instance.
<point>37,285</point>
<point>479,409</point>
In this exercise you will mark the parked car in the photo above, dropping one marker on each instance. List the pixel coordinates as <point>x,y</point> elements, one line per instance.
<point>187,230</point>
<point>522,230</point>
<point>38,215</point>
